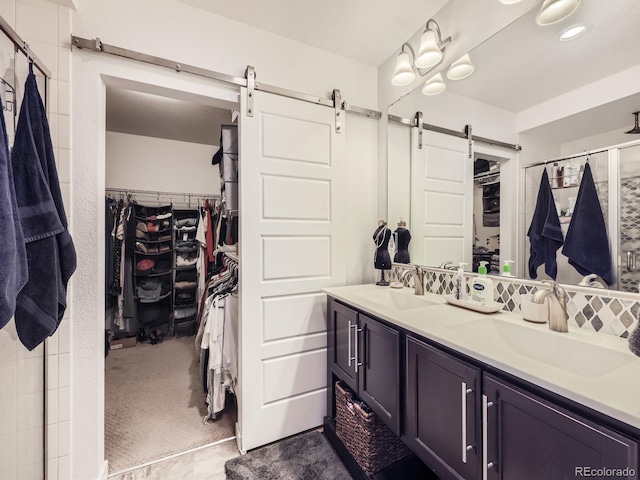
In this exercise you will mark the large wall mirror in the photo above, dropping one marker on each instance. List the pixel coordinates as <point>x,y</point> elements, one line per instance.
<point>568,103</point>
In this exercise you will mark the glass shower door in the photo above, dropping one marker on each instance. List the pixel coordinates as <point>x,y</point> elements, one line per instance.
<point>629,219</point>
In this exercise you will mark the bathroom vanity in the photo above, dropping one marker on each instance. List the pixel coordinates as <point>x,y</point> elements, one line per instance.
<point>483,396</point>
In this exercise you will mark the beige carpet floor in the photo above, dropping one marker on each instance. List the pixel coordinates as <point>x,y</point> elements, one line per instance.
<point>154,404</point>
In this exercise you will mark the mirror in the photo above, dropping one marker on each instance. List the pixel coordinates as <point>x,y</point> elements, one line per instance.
<point>558,99</point>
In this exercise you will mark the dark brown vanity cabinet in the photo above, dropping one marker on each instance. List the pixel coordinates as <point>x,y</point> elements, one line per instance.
<point>529,438</point>
<point>365,354</point>
<point>442,422</point>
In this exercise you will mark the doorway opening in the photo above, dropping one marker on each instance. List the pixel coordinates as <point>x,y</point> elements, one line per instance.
<point>162,201</point>
<point>486,212</point>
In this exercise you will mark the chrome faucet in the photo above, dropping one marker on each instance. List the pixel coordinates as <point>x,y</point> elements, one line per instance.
<point>418,279</point>
<point>557,306</point>
<point>448,265</point>
<point>593,280</point>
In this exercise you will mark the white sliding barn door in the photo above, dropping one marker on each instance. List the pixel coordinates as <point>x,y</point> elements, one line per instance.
<point>441,199</point>
<point>292,220</point>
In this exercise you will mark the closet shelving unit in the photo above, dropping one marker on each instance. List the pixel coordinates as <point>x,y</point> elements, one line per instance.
<point>187,249</point>
<point>154,242</point>
<point>182,205</point>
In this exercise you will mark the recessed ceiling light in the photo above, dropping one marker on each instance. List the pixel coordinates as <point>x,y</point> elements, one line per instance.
<point>572,33</point>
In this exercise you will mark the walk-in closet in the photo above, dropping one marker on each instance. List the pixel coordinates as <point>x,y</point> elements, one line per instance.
<point>486,212</point>
<point>171,276</point>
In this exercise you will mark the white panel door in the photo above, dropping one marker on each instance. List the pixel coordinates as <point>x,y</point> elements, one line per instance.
<point>292,204</point>
<point>441,199</point>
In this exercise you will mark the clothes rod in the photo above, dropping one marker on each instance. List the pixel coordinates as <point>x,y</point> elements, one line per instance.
<point>97,45</point>
<point>411,122</point>
<point>125,191</point>
<point>22,46</point>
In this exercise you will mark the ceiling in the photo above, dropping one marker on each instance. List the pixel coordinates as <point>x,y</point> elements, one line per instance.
<point>365,30</point>
<point>525,64</point>
<point>149,115</point>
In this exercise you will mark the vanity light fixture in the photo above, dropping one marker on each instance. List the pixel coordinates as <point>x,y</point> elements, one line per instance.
<point>636,129</point>
<point>430,54</point>
<point>461,68</point>
<point>573,32</point>
<point>431,51</point>
<point>404,74</point>
<point>553,11</point>
<point>434,85</point>
<point>510,2</point>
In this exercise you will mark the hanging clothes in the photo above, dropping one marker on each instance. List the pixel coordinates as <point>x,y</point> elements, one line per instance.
<point>587,243</point>
<point>129,308</point>
<point>51,255</point>
<point>544,232</point>
<point>217,339</point>
<point>13,254</point>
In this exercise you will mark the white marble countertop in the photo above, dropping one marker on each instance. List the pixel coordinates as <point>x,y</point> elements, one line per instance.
<point>595,370</point>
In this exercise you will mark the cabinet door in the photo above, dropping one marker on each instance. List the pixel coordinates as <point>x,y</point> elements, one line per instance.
<point>379,370</point>
<point>343,326</point>
<point>442,421</point>
<point>529,438</point>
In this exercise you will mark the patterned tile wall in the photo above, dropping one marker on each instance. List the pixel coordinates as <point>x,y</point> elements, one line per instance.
<point>611,314</point>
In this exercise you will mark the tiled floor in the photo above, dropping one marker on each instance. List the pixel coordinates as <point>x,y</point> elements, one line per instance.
<point>204,464</point>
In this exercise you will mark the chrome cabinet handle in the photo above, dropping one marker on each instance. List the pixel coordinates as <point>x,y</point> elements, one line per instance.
<point>486,465</point>
<point>349,345</point>
<point>356,338</point>
<point>465,448</point>
<point>631,261</point>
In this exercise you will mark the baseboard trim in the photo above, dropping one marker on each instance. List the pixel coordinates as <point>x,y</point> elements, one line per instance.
<point>105,471</point>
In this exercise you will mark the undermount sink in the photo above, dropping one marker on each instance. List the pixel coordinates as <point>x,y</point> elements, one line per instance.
<point>560,350</point>
<point>396,299</point>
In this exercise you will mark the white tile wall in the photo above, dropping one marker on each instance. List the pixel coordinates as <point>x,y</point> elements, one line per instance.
<point>46,27</point>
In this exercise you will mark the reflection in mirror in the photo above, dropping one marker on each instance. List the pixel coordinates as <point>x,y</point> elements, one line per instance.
<point>557,96</point>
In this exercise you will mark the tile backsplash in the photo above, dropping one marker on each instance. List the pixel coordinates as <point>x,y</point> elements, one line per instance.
<point>611,313</point>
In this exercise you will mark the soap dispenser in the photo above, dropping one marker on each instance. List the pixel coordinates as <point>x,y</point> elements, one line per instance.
<point>460,283</point>
<point>506,268</point>
<point>482,287</point>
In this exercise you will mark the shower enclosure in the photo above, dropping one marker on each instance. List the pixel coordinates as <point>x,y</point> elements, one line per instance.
<point>616,172</point>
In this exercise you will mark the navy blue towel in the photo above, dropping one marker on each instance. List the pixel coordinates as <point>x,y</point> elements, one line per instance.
<point>587,245</point>
<point>51,255</point>
<point>544,233</point>
<point>13,255</point>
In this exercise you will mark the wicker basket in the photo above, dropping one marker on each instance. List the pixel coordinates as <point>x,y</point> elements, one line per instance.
<point>370,441</point>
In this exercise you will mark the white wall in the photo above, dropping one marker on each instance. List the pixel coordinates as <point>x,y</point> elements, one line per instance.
<point>149,163</point>
<point>593,142</point>
<point>173,30</point>
<point>362,215</point>
<point>46,27</point>
<point>453,111</point>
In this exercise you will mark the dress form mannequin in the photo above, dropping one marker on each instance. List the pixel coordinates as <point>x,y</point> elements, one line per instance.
<point>401,238</point>
<point>382,259</point>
